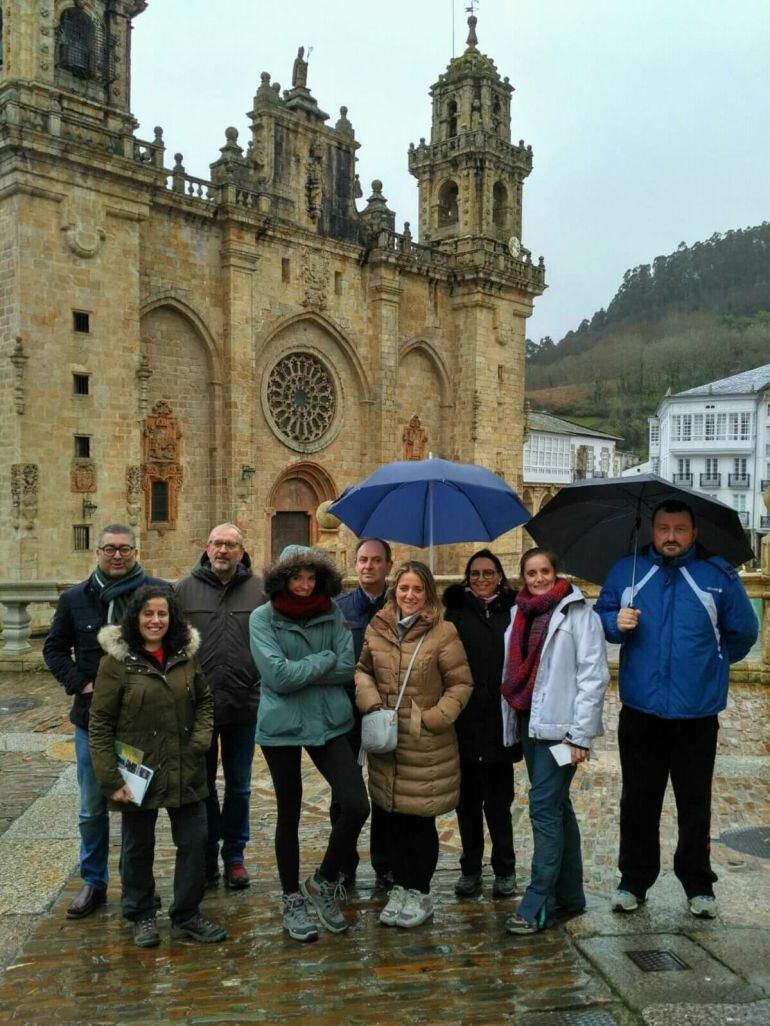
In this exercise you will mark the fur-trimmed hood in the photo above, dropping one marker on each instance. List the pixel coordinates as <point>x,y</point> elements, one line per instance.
<point>111,640</point>
<point>299,557</point>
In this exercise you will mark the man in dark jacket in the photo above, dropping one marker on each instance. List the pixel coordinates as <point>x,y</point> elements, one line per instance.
<point>72,654</point>
<point>681,624</point>
<point>374,562</point>
<point>217,598</point>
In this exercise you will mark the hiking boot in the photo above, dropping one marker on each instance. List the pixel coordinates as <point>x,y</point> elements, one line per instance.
<point>468,884</point>
<point>296,920</point>
<point>519,925</point>
<point>625,901</point>
<point>199,928</point>
<point>146,933</point>
<point>323,896</point>
<point>416,909</point>
<point>236,877</point>
<point>396,899</point>
<point>504,886</point>
<point>704,906</point>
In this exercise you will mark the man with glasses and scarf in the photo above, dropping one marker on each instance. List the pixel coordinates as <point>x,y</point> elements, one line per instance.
<point>72,654</point>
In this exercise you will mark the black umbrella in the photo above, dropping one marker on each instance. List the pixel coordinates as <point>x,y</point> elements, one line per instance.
<point>592,524</point>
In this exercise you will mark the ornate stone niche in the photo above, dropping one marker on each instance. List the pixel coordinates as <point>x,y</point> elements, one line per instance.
<point>24,494</point>
<point>83,476</point>
<point>301,399</point>
<point>162,468</point>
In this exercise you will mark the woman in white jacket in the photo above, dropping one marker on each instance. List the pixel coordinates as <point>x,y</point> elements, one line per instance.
<point>554,678</point>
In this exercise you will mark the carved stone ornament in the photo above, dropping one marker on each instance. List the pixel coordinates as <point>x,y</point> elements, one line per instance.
<point>84,242</point>
<point>315,279</point>
<point>133,494</point>
<point>83,476</point>
<point>162,452</point>
<point>19,359</point>
<point>24,486</point>
<point>415,440</point>
<point>301,398</point>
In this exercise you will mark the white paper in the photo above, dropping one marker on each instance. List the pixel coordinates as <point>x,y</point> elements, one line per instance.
<point>137,782</point>
<point>562,753</point>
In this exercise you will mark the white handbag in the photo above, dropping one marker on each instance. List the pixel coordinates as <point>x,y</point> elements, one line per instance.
<point>379,729</point>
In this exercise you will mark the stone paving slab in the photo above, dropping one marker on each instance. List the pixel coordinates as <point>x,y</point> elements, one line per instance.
<point>757,1014</point>
<point>746,951</point>
<point>32,873</point>
<point>24,741</point>
<point>705,978</point>
<point>54,816</point>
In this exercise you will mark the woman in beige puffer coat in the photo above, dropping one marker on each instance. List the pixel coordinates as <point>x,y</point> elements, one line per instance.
<point>421,778</point>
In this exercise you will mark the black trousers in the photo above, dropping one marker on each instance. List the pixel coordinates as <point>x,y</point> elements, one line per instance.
<point>412,849</point>
<point>378,841</point>
<point>486,792</point>
<point>335,762</point>
<point>189,831</point>
<point>652,750</point>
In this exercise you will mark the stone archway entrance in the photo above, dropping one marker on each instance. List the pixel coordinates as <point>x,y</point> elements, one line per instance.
<point>295,497</point>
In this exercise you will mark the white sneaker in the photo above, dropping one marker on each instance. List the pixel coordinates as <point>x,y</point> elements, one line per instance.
<point>416,909</point>
<point>396,899</point>
<point>624,901</point>
<point>704,906</point>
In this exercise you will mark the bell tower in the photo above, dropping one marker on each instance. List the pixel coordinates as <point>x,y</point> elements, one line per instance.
<point>68,56</point>
<point>470,175</point>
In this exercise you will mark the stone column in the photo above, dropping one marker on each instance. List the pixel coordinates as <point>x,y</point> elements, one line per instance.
<point>384,296</point>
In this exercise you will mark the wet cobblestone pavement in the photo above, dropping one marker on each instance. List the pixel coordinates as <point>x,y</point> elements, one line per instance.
<point>460,969</point>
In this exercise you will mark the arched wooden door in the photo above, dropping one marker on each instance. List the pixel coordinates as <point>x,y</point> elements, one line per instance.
<point>296,496</point>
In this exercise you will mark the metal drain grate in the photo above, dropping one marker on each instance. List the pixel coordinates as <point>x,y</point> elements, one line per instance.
<point>657,961</point>
<point>582,1017</point>
<point>17,705</point>
<point>750,841</point>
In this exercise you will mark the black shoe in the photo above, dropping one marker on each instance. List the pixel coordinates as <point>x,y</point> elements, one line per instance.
<point>468,884</point>
<point>199,928</point>
<point>348,880</point>
<point>212,875</point>
<point>87,901</point>
<point>146,933</point>
<point>384,882</point>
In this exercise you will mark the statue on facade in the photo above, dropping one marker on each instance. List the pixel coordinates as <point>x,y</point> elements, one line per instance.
<point>299,71</point>
<point>415,439</point>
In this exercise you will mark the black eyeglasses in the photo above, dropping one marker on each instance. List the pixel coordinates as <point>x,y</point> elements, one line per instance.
<point>110,550</point>
<point>487,575</point>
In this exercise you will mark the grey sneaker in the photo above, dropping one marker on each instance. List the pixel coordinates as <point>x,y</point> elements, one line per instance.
<point>504,886</point>
<point>146,933</point>
<point>199,928</point>
<point>416,909</point>
<point>323,896</point>
<point>519,925</point>
<point>468,884</point>
<point>704,906</point>
<point>296,920</point>
<point>396,899</point>
<point>625,901</point>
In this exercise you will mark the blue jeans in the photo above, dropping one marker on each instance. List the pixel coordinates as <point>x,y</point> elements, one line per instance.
<point>230,823</point>
<point>94,822</point>
<point>556,878</point>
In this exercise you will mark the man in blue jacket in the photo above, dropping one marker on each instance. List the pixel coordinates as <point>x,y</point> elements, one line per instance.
<point>374,562</point>
<point>686,621</point>
<point>72,654</point>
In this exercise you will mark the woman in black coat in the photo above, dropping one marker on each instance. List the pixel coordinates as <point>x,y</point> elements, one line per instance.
<point>480,609</point>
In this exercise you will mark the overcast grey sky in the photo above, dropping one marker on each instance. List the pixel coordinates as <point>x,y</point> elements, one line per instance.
<point>648,118</point>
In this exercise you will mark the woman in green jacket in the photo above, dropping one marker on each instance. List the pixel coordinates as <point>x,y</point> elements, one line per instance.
<point>304,654</point>
<point>150,693</point>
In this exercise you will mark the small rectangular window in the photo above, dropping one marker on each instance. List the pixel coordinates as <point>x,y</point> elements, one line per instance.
<point>285,269</point>
<point>82,447</point>
<point>81,537</point>
<point>337,283</point>
<point>159,509</point>
<point>81,321</point>
<point>80,384</point>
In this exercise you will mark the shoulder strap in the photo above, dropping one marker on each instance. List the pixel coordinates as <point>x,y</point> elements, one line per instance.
<point>417,648</point>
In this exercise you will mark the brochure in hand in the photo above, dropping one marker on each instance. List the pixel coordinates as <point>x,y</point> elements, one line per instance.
<point>133,771</point>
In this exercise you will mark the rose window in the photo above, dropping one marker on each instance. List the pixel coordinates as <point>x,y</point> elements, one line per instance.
<point>301,398</point>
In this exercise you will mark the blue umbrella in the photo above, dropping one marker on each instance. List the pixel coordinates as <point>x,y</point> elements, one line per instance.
<point>430,502</point>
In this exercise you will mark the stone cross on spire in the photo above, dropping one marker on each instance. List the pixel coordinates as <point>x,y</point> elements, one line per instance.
<point>472,39</point>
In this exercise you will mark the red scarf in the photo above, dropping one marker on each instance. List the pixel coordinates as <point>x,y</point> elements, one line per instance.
<point>301,607</point>
<point>520,672</point>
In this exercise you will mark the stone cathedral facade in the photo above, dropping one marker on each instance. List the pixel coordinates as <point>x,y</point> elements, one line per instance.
<point>175,352</point>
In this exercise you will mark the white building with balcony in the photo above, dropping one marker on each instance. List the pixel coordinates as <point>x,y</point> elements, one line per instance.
<point>558,452</point>
<point>716,439</point>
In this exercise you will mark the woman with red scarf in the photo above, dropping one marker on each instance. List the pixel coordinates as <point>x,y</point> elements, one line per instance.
<point>554,678</point>
<point>304,654</point>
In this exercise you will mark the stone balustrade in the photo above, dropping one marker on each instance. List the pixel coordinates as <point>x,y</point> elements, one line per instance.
<point>16,596</point>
